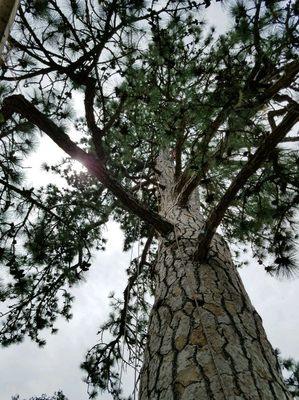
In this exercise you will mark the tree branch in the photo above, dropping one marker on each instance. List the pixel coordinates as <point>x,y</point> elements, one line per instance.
<point>27,195</point>
<point>95,131</point>
<point>290,139</point>
<point>115,116</point>
<point>290,72</point>
<point>189,180</point>
<point>274,113</point>
<point>18,104</point>
<point>260,156</point>
<point>131,282</point>
<point>32,74</point>
<point>69,25</point>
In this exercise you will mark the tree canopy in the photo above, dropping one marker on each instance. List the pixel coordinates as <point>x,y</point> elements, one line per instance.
<point>57,396</point>
<point>147,76</point>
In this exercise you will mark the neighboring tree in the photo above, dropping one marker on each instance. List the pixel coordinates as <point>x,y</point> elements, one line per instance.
<point>57,396</point>
<point>291,368</point>
<point>181,133</point>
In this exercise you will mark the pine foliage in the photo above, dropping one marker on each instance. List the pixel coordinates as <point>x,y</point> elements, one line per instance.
<point>148,76</point>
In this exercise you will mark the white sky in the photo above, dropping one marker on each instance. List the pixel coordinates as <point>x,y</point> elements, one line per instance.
<point>28,370</point>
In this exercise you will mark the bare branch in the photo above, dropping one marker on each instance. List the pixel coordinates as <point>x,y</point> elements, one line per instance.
<point>290,139</point>
<point>32,74</point>
<point>275,113</point>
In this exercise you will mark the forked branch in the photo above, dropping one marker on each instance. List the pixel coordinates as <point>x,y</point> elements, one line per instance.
<point>190,180</point>
<point>260,156</point>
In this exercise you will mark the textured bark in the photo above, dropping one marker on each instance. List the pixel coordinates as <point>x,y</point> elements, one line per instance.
<point>8,9</point>
<point>205,339</point>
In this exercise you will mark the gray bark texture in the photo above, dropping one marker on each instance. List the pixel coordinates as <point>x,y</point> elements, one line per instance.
<point>8,9</point>
<point>205,339</point>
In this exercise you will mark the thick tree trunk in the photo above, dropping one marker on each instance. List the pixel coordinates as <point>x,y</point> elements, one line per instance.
<point>205,339</point>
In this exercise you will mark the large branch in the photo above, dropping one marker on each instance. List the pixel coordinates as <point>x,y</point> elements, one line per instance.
<point>260,156</point>
<point>189,180</point>
<point>18,104</point>
<point>289,74</point>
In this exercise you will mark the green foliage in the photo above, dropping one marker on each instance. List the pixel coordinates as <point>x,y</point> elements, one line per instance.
<point>126,325</point>
<point>161,79</point>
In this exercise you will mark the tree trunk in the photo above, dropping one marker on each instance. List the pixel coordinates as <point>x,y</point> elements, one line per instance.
<point>205,339</point>
<point>8,10</point>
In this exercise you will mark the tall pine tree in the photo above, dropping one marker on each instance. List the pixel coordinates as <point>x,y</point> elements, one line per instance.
<point>186,138</point>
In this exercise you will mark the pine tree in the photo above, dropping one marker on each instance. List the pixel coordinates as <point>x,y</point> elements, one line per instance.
<point>57,396</point>
<point>186,138</point>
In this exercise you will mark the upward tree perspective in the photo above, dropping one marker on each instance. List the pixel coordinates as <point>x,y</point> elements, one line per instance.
<point>188,140</point>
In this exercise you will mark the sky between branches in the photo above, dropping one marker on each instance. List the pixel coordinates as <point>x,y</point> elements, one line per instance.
<point>28,370</point>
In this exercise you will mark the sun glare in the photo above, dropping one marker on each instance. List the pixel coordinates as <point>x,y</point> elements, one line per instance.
<point>78,167</point>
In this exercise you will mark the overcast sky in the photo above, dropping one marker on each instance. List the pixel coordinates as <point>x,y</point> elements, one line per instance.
<point>28,370</point>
